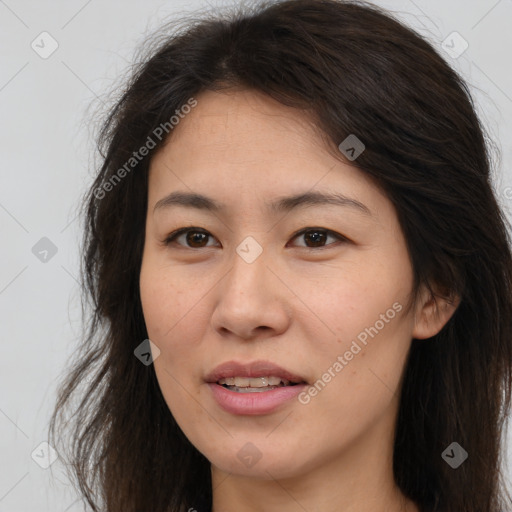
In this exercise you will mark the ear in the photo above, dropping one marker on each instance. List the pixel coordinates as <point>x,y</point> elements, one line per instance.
<point>432,311</point>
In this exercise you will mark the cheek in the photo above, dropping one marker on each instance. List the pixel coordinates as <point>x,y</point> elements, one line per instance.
<point>168,303</point>
<point>365,336</point>
<point>355,304</point>
<point>356,384</point>
<point>169,314</point>
<point>176,318</point>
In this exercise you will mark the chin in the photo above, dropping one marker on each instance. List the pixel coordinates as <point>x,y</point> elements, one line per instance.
<point>269,462</point>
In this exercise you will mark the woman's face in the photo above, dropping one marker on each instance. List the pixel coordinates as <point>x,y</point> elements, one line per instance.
<point>327,305</point>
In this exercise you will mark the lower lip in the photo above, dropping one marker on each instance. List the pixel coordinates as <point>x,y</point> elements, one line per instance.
<point>262,402</point>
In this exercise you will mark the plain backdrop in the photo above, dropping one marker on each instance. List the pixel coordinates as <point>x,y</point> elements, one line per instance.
<point>47,105</point>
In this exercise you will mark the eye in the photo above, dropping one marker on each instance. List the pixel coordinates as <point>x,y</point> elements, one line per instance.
<point>197,238</point>
<point>318,237</point>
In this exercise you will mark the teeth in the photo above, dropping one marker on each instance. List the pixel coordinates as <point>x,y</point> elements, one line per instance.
<point>257,382</point>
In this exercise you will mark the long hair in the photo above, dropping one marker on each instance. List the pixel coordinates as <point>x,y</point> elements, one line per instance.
<point>352,69</point>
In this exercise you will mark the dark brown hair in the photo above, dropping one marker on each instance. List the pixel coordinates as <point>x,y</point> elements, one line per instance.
<point>353,69</point>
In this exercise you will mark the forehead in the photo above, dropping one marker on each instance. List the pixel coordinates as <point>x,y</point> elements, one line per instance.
<point>246,121</point>
<point>240,144</point>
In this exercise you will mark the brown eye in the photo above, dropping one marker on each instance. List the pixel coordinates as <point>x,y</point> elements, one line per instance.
<point>317,237</point>
<point>193,238</point>
<point>196,238</point>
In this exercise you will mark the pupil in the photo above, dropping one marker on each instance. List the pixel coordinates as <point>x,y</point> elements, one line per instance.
<point>315,236</point>
<point>192,237</point>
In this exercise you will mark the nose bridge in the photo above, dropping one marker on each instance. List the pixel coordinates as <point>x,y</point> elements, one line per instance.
<point>249,268</point>
<point>250,250</point>
<point>247,298</point>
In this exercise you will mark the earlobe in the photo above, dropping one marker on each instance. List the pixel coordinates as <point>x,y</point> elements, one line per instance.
<point>432,313</point>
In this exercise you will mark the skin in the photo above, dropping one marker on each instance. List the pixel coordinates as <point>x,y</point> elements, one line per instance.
<point>297,304</point>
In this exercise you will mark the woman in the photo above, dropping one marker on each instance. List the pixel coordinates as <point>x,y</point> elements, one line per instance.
<point>240,359</point>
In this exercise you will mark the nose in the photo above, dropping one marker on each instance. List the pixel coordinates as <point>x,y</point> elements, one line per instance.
<point>251,301</point>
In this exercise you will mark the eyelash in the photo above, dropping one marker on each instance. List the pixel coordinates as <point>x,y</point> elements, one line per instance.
<point>170,239</point>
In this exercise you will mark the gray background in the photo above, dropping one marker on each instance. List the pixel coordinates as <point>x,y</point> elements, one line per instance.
<point>47,147</point>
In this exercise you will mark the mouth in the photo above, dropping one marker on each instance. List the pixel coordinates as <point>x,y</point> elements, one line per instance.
<point>255,384</point>
<point>253,388</point>
<point>253,376</point>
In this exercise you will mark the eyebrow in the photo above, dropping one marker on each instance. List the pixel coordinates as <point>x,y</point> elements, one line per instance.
<point>282,204</point>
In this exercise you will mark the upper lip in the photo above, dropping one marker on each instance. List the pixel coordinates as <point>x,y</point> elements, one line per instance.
<point>251,369</point>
